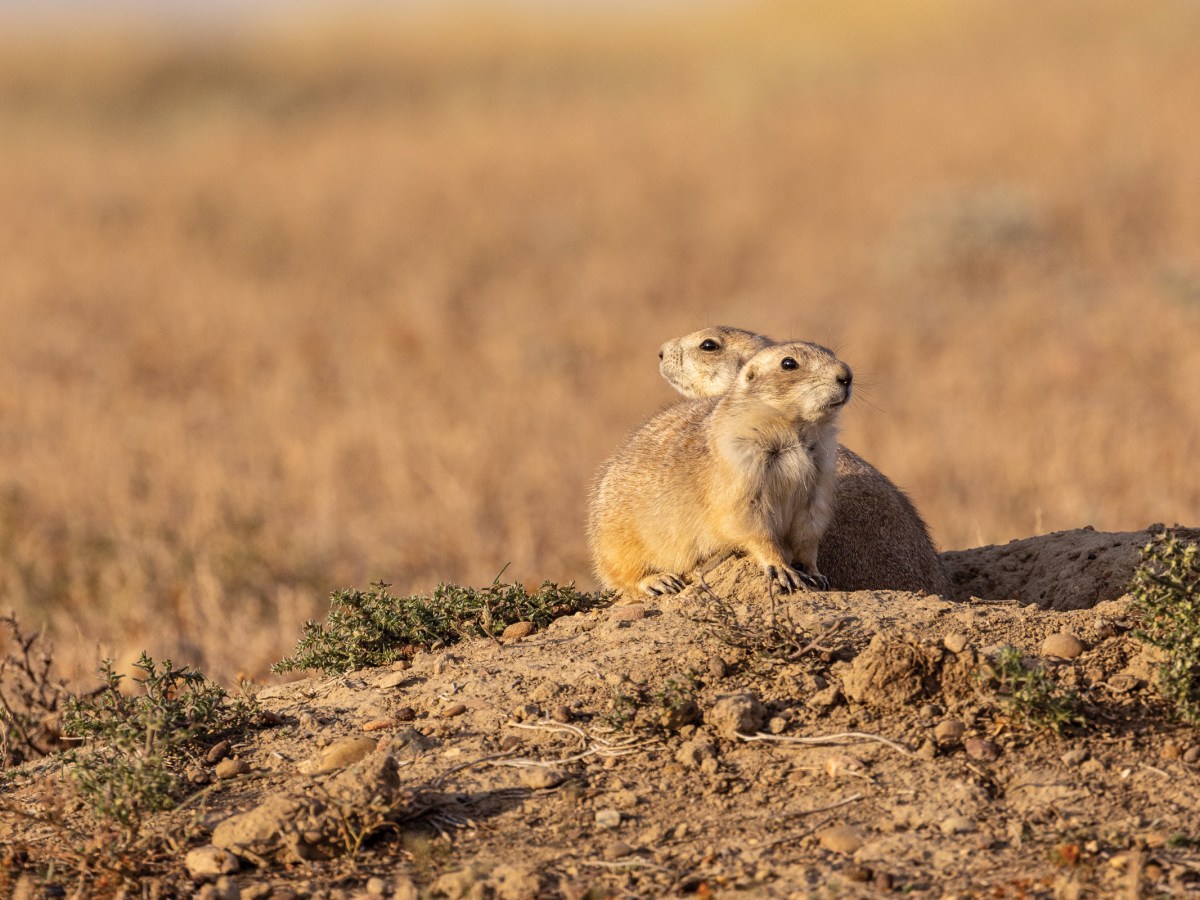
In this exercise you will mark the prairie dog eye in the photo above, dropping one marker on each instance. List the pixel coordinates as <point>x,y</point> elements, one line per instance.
<point>789,363</point>
<point>709,345</point>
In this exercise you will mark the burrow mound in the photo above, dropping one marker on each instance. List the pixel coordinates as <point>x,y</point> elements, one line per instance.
<point>1060,571</point>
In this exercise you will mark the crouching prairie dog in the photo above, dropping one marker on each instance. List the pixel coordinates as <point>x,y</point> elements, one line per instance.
<point>751,470</point>
<point>877,540</point>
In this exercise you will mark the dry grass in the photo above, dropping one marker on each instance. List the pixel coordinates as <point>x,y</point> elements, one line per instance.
<point>314,309</point>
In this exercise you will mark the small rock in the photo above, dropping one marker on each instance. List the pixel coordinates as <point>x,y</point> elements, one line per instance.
<point>1062,644</point>
<point>882,882</point>
<point>949,731</point>
<point>616,850</point>
<point>218,752</point>
<point>376,886</point>
<point>978,748</point>
<point>518,630</point>
<point>823,699</point>
<point>777,725</point>
<point>561,713</point>
<point>1074,757</point>
<point>929,711</point>
<point>454,709</point>
<point>1124,682</point>
<point>231,768</point>
<point>633,613</point>
<point>379,725</point>
<point>956,642</point>
<point>1191,755</point>
<point>608,818</point>
<point>387,682</point>
<point>927,750</point>
<point>209,863</point>
<point>652,836</point>
<point>857,874</point>
<point>541,778</point>
<point>404,714</point>
<point>696,753</point>
<point>957,825</point>
<point>345,752</point>
<point>527,711</point>
<point>717,667</point>
<point>737,714</point>
<point>400,665</point>
<point>405,888</point>
<point>1170,750</point>
<point>840,838</point>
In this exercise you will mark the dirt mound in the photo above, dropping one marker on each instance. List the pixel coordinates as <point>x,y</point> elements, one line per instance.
<point>1064,570</point>
<point>710,742</point>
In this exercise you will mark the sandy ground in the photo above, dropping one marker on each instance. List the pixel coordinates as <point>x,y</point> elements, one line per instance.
<point>655,749</point>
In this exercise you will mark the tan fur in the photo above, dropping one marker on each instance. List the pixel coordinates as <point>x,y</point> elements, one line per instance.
<point>751,470</point>
<point>877,539</point>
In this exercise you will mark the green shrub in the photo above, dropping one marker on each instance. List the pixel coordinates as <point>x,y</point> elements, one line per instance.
<point>1027,693</point>
<point>140,743</point>
<point>1166,593</point>
<point>373,628</point>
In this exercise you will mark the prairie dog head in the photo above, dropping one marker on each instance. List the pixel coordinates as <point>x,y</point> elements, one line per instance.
<point>706,363</point>
<point>805,381</point>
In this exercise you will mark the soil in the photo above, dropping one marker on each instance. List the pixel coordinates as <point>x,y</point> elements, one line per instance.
<point>675,747</point>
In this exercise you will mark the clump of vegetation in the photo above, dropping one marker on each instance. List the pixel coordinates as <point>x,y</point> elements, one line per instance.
<point>1027,693</point>
<point>142,742</point>
<point>665,710</point>
<point>373,628</point>
<point>780,638</point>
<point>30,696</point>
<point>1166,593</point>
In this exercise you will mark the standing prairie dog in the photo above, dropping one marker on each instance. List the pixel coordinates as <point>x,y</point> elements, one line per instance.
<point>877,539</point>
<point>751,470</point>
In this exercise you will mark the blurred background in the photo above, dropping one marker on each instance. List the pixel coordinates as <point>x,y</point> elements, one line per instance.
<point>299,301</point>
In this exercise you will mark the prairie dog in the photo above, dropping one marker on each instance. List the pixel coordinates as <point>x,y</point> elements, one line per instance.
<point>751,470</point>
<point>877,540</point>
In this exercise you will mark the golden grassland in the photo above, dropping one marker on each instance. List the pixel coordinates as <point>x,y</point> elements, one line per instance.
<point>325,305</point>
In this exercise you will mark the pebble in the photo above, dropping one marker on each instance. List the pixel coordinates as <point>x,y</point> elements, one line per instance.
<point>616,850</point>
<point>825,698</point>
<point>391,681</point>
<point>857,874</point>
<point>840,838</point>
<point>230,768</point>
<point>1074,757</point>
<point>978,748</point>
<point>695,754</point>
<point>379,725</point>
<point>541,777</point>
<point>404,714</point>
<point>1063,644</point>
<point>634,613</point>
<point>561,713</point>
<point>949,731</point>
<point>1191,755</point>
<point>454,709</point>
<point>400,665</point>
<point>777,725</point>
<point>218,752</point>
<point>345,752</point>
<point>957,825</point>
<point>956,642</point>
<point>518,630</point>
<point>1170,750</point>
<point>209,863</point>
<point>717,667</point>
<point>376,885</point>
<point>608,818</point>
<point>527,711</point>
<point>930,711</point>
